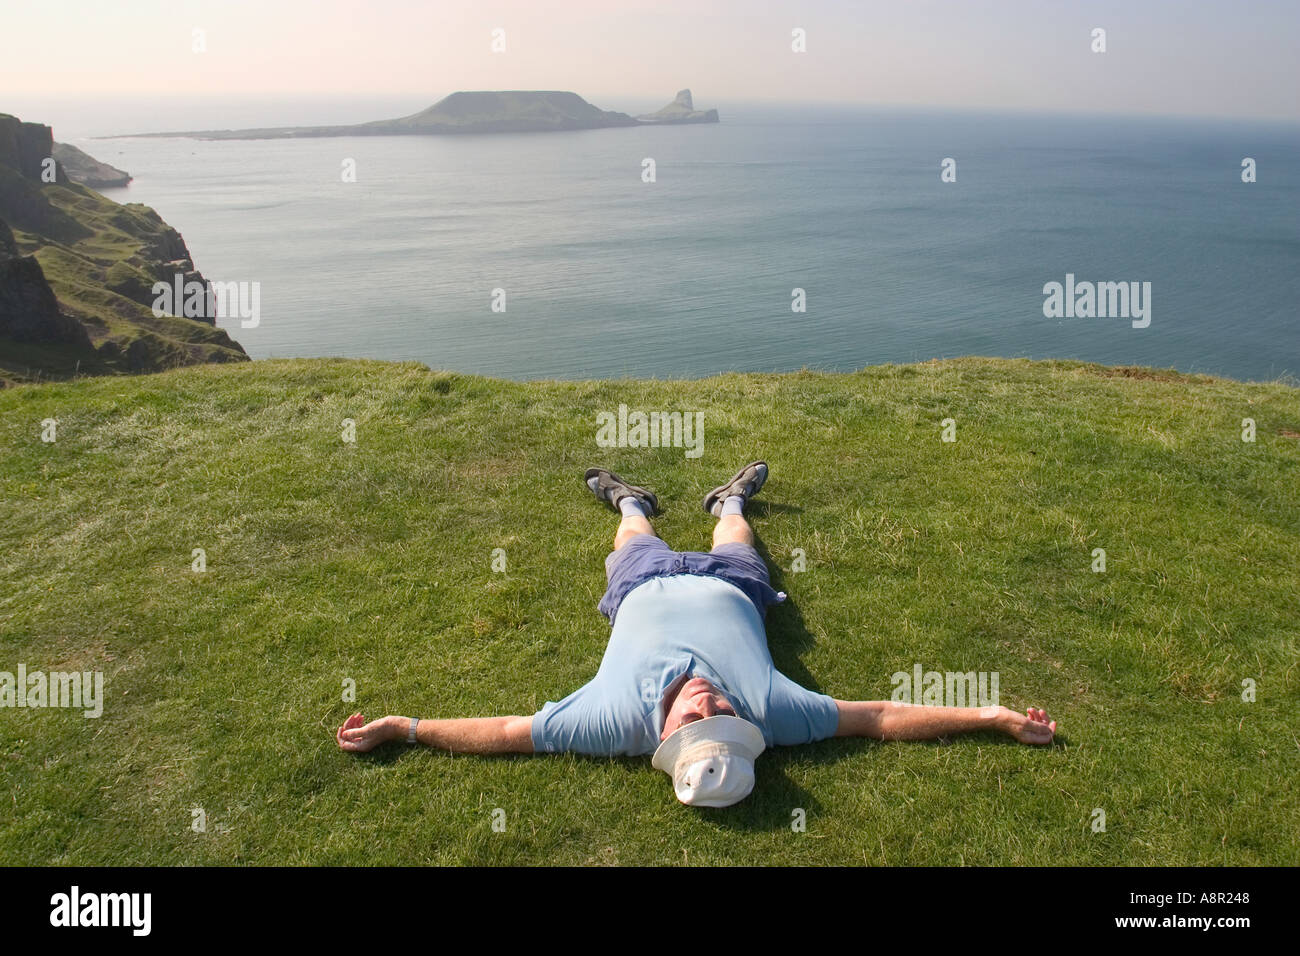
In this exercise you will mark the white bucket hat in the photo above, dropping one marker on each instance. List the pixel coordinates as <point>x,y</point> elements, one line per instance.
<point>711,761</point>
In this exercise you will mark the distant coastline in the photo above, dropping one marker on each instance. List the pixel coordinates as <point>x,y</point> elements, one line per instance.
<point>484,111</point>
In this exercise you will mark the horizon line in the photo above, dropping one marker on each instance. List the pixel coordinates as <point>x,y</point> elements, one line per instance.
<point>968,109</point>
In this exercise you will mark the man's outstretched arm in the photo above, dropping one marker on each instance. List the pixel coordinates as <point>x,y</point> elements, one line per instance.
<point>466,735</point>
<point>894,720</point>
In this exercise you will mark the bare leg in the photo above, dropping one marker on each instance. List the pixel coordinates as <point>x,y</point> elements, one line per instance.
<point>613,490</point>
<point>630,527</point>
<point>732,529</point>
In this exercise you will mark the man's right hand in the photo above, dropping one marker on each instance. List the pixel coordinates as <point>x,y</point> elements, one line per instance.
<point>1031,727</point>
<point>358,736</point>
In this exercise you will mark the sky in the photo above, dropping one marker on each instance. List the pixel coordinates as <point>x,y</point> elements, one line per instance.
<point>1178,57</point>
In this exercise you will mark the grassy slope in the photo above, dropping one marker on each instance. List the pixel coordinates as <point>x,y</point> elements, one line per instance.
<point>372,561</point>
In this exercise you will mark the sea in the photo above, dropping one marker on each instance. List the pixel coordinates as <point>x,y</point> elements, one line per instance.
<point>784,237</point>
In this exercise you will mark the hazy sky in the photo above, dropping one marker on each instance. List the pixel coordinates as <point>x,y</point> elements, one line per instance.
<point>1220,58</point>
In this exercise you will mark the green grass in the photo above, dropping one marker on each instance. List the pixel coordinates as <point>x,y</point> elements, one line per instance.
<point>372,561</point>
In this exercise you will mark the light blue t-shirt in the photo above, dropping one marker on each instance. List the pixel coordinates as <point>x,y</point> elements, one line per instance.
<point>667,627</point>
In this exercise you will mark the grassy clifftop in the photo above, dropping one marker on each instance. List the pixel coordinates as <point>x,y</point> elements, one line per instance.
<point>372,561</point>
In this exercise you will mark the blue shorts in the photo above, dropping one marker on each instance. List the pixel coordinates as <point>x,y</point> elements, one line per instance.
<point>645,556</point>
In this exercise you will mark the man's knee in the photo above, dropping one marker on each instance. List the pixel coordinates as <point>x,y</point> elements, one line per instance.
<point>732,532</point>
<point>626,534</point>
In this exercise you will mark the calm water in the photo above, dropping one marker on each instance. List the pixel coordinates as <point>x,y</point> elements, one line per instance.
<point>606,275</point>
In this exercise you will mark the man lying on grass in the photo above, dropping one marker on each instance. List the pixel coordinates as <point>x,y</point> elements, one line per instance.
<point>687,674</point>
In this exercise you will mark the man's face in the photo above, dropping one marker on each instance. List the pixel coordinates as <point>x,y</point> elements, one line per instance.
<point>696,700</point>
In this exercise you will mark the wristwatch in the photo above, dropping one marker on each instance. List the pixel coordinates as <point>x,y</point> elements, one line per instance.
<point>410,737</point>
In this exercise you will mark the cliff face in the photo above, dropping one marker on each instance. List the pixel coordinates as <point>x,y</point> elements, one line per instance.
<point>26,146</point>
<point>77,271</point>
<point>29,311</point>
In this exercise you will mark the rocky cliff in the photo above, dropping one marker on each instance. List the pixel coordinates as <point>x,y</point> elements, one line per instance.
<point>680,110</point>
<point>25,147</point>
<point>29,311</point>
<point>77,271</point>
